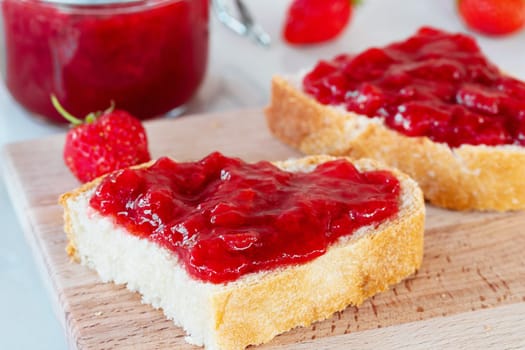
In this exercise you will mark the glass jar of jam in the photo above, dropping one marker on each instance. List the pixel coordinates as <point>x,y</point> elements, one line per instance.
<point>148,56</point>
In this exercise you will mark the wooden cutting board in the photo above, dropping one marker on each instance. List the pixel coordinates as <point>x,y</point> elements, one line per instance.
<point>469,293</point>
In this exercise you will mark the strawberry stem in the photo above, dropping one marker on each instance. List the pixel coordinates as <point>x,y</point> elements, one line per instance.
<point>69,117</point>
<point>90,118</point>
<point>111,107</point>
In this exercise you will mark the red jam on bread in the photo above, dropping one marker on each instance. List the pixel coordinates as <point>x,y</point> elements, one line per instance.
<point>225,218</point>
<point>433,84</point>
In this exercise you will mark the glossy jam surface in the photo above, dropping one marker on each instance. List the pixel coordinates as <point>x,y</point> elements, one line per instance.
<point>148,56</point>
<point>225,218</point>
<point>433,84</point>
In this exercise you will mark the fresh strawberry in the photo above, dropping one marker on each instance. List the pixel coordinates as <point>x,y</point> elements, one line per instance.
<point>315,21</point>
<point>103,142</point>
<point>493,17</point>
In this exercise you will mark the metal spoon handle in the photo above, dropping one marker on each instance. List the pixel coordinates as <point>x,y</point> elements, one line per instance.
<point>244,25</point>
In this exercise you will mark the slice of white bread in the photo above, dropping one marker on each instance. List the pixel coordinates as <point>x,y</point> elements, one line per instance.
<point>258,306</point>
<point>467,177</point>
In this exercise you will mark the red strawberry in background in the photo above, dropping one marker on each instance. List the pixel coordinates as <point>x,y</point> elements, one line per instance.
<point>493,17</point>
<point>316,21</point>
<point>103,142</point>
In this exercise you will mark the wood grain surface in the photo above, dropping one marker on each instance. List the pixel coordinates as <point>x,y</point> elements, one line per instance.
<point>469,293</point>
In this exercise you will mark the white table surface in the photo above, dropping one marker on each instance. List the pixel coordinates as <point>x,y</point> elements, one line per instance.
<point>238,76</point>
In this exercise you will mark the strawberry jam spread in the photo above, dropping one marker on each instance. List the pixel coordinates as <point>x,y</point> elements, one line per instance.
<point>433,84</point>
<point>225,218</point>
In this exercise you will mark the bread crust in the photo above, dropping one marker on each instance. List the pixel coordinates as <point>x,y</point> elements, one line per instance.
<point>464,178</point>
<point>257,307</point>
<point>71,247</point>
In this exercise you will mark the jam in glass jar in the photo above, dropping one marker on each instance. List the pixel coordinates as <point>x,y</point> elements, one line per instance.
<point>147,56</point>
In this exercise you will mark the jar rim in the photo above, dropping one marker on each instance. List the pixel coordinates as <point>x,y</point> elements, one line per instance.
<point>87,3</point>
